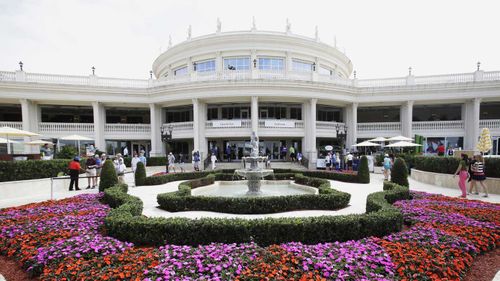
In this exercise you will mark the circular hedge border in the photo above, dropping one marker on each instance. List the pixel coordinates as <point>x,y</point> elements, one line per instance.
<point>182,200</point>
<point>126,222</point>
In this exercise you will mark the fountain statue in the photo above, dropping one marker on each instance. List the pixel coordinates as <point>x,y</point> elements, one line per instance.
<point>254,173</point>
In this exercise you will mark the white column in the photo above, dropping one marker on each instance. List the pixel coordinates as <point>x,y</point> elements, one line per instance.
<point>199,120</point>
<point>157,147</point>
<point>352,124</point>
<point>99,123</point>
<point>311,134</point>
<point>472,110</point>
<point>31,115</point>
<point>406,119</point>
<point>255,114</point>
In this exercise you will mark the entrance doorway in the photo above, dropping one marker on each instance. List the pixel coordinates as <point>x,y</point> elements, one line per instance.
<point>138,146</point>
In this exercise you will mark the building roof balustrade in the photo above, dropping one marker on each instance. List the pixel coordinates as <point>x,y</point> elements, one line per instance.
<point>228,75</point>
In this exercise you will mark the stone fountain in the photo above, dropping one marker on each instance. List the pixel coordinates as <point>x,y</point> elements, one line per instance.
<point>254,174</point>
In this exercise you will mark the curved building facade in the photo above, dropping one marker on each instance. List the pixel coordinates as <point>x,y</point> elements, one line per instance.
<point>214,90</point>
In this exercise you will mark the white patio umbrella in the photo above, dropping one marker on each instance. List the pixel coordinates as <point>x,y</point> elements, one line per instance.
<point>366,143</point>
<point>2,140</point>
<point>12,132</point>
<point>400,138</point>
<point>378,139</point>
<point>403,144</point>
<point>76,138</point>
<point>39,142</point>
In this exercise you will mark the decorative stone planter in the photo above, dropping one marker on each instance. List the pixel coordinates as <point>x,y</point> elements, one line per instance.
<point>447,180</point>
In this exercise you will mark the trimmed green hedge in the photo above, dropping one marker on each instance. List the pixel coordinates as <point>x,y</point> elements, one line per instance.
<point>363,171</point>
<point>150,161</point>
<point>399,172</point>
<point>32,169</point>
<point>181,200</point>
<point>126,223</point>
<point>156,180</point>
<point>108,176</point>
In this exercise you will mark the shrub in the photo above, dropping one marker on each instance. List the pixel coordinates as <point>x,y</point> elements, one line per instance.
<point>363,171</point>
<point>32,169</point>
<point>66,152</point>
<point>150,161</point>
<point>399,172</point>
<point>126,223</point>
<point>108,176</point>
<point>140,174</point>
<point>328,199</point>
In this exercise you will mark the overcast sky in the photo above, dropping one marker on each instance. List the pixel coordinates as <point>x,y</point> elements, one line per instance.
<point>122,38</point>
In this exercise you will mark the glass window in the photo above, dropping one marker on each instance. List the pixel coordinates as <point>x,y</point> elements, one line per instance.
<point>271,63</point>
<point>296,113</point>
<point>237,63</point>
<point>181,71</point>
<point>301,66</point>
<point>325,71</point>
<point>205,66</point>
<point>212,113</point>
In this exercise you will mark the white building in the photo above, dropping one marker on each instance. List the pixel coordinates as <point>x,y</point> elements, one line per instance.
<point>214,90</point>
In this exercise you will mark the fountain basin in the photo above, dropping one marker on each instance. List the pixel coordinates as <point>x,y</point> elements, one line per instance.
<point>240,189</point>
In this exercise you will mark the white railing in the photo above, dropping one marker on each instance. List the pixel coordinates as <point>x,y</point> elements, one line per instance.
<point>281,123</point>
<point>232,123</point>
<point>7,76</point>
<point>179,126</point>
<point>12,124</point>
<point>379,126</point>
<point>444,79</point>
<point>44,127</point>
<point>437,125</point>
<point>127,128</point>
<point>325,125</point>
<point>490,123</point>
<point>387,82</point>
<point>96,81</point>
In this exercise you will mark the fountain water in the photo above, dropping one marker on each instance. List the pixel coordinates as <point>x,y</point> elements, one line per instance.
<point>254,173</point>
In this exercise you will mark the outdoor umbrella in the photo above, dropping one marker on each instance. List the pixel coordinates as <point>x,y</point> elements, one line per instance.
<point>2,140</point>
<point>403,144</point>
<point>399,138</point>
<point>39,142</point>
<point>366,143</point>
<point>12,132</point>
<point>378,139</point>
<point>77,138</point>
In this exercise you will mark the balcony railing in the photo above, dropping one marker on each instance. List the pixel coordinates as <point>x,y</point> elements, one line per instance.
<point>127,128</point>
<point>490,123</point>
<point>437,125</point>
<point>281,123</point>
<point>96,81</point>
<point>12,124</point>
<point>45,127</point>
<point>179,126</point>
<point>232,123</point>
<point>379,126</point>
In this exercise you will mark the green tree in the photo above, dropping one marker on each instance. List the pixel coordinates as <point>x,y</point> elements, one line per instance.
<point>140,174</point>
<point>363,171</point>
<point>67,152</point>
<point>108,176</point>
<point>399,172</point>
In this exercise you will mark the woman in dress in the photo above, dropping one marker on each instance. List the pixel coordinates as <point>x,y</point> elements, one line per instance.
<point>478,174</point>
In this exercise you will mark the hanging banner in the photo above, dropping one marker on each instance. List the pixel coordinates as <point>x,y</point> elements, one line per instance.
<point>226,124</point>
<point>279,124</point>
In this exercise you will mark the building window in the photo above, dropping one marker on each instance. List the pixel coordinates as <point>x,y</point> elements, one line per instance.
<point>271,64</point>
<point>301,66</point>
<point>212,113</point>
<point>237,63</point>
<point>179,114</point>
<point>325,71</point>
<point>205,66</point>
<point>181,71</point>
<point>329,114</point>
<point>296,113</point>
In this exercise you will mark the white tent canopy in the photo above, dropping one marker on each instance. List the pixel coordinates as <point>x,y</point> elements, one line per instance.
<point>12,132</point>
<point>366,143</point>
<point>2,140</point>
<point>378,139</point>
<point>403,144</point>
<point>400,138</point>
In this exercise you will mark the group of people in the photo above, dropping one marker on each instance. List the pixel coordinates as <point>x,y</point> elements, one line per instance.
<point>93,167</point>
<point>333,161</point>
<point>471,170</point>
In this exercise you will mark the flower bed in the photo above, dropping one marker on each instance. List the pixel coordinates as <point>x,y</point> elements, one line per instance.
<point>64,240</point>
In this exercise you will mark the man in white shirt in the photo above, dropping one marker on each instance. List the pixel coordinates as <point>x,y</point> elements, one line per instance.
<point>134,162</point>
<point>349,161</point>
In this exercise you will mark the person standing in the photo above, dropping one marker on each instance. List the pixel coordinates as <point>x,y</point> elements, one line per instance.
<point>337,161</point>
<point>228,153</point>
<point>125,151</point>
<point>134,162</point>
<point>478,174</point>
<point>292,153</point>
<point>328,160</point>
<point>441,149</point>
<point>472,184</point>
<point>349,161</point>
<point>46,152</point>
<point>74,172</point>
<point>98,168</point>
<point>213,158</point>
<point>142,158</point>
<point>387,164</point>
<point>90,165</point>
<point>196,161</point>
<point>120,170</point>
<point>462,177</point>
<point>171,162</point>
